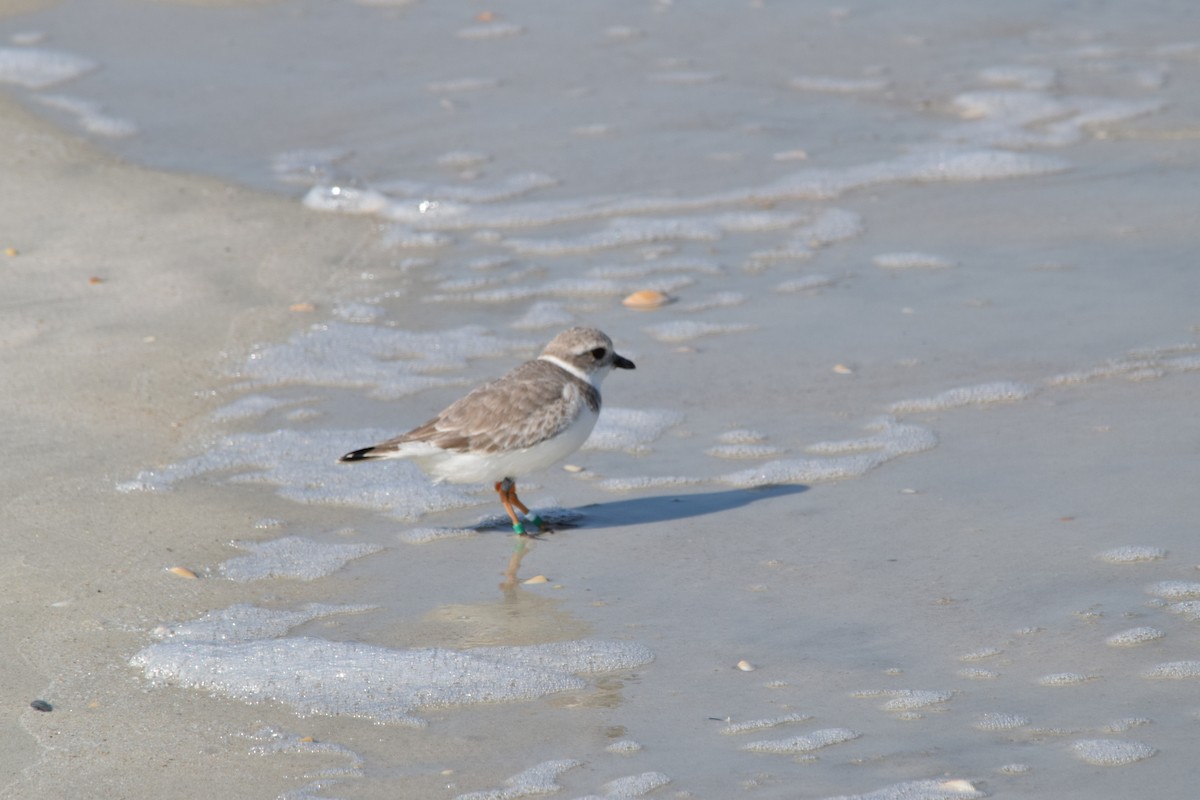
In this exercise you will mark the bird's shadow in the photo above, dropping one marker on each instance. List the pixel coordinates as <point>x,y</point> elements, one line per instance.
<point>648,510</point>
<point>672,507</point>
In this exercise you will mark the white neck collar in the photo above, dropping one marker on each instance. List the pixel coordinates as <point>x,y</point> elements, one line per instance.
<point>592,378</point>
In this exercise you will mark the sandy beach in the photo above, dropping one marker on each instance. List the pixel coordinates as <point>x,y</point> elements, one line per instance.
<point>898,504</point>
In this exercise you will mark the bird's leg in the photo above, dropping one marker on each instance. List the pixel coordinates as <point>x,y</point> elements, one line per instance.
<point>503,488</point>
<point>516,501</point>
<point>507,489</point>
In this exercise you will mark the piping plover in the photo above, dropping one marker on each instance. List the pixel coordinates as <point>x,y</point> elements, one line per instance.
<point>523,422</point>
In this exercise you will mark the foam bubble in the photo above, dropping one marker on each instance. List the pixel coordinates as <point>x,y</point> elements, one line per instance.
<point>292,557</point>
<point>1111,752</point>
<point>1188,609</point>
<point>1016,768</point>
<point>1132,554</point>
<point>912,699</point>
<point>630,430</point>
<point>244,623</point>
<point>316,676</point>
<point>1134,636</point>
<point>623,747</point>
<point>686,330</point>
<point>981,654</point>
<point>978,395</point>
<point>1064,679</point>
<point>1125,724</point>
<point>634,785</point>
<point>426,535</point>
<point>1174,670</point>
<point>539,779</point>
<point>635,483</point>
<point>977,674</point>
<point>912,261</point>
<point>803,744</point>
<point>35,68</point>
<point>760,724</point>
<point>1175,590</point>
<point>747,451</point>
<point>742,436</point>
<point>921,790</point>
<point>850,460</point>
<point>996,721</point>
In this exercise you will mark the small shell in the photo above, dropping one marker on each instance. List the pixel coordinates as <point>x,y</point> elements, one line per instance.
<point>842,369</point>
<point>746,666</point>
<point>302,308</point>
<point>537,579</point>
<point>646,299</point>
<point>572,468</point>
<point>11,251</point>
<point>183,572</point>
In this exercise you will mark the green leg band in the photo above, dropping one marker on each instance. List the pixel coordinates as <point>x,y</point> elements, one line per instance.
<point>519,528</point>
<point>536,521</point>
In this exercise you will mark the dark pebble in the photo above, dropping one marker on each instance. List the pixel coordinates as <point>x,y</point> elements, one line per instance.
<point>41,705</point>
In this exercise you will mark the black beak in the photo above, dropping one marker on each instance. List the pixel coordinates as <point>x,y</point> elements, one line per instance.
<point>621,362</point>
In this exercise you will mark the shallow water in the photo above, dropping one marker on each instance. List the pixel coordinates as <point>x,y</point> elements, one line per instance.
<point>909,440</point>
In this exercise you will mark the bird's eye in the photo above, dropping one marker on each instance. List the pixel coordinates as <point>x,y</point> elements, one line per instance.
<point>599,353</point>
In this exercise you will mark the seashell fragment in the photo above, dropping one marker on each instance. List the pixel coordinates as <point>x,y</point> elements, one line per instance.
<point>746,666</point>
<point>183,572</point>
<point>537,579</point>
<point>646,300</point>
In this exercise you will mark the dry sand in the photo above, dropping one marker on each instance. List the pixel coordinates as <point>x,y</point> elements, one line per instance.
<point>125,291</point>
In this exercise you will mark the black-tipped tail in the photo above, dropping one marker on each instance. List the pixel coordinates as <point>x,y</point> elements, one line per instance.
<point>365,454</point>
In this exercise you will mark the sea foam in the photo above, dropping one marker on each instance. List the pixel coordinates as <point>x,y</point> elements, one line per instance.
<point>292,557</point>
<point>316,676</point>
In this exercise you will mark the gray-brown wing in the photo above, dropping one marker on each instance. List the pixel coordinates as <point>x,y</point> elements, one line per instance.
<point>534,402</point>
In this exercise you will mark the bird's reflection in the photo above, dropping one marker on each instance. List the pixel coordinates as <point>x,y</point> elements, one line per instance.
<point>521,546</point>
